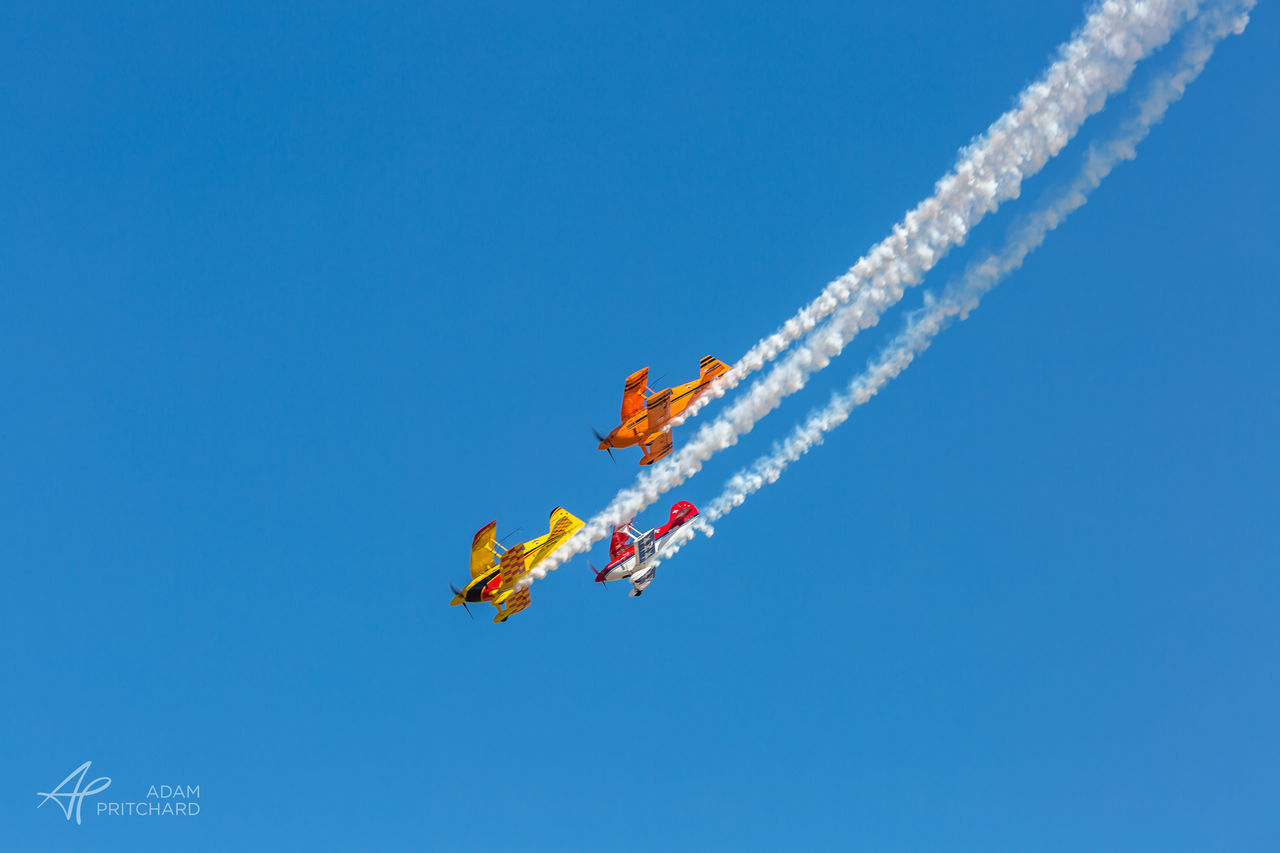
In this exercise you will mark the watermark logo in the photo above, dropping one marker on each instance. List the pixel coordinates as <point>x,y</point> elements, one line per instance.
<point>70,801</point>
<point>158,800</point>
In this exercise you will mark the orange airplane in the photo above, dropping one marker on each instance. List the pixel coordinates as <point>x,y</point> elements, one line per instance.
<point>645,417</point>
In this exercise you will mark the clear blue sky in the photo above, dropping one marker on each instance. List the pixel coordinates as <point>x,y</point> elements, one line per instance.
<point>298,296</point>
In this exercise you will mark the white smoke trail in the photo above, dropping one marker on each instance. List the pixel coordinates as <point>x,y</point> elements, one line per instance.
<point>962,296</point>
<point>1097,62</point>
<point>988,171</point>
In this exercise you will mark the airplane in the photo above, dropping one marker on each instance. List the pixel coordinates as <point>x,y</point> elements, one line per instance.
<point>495,569</point>
<point>644,417</point>
<point>633,554</point>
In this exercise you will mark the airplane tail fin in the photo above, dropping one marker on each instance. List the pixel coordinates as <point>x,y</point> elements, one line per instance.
<point>712,367</point>
<point>681,512</point>
<point>563,524</point>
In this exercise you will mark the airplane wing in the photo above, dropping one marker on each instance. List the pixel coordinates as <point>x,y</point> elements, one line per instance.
<point>659,406</point>
<point>514,604</point>
<point>656,449</point>
<point>512,566</point>
<point>482,550</point>
<point>619,541</point>
<point>563,524</point>
<point>633,393</point>
<point>646,550</point>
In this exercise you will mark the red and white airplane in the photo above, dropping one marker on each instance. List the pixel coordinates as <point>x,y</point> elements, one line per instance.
<point>634,555</point>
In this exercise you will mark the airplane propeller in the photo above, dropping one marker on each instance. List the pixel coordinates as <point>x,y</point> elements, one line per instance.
<point>600,438</point>
<point>458,593</point>
<point>600,575</point>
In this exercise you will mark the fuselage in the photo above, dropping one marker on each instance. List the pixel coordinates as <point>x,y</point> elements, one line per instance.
<point>637,429</point>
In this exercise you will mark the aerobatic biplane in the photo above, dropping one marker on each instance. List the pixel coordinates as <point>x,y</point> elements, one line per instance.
<point>495,569</point>
<point>645,414</point>
<point>634,555</point>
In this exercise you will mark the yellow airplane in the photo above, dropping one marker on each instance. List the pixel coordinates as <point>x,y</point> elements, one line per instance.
<point>644,417</point>
<point>496,570</point>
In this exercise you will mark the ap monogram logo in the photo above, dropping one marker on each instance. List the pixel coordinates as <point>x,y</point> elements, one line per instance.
<point>71,800</point>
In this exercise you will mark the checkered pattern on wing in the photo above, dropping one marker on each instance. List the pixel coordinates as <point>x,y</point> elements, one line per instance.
<point>518,601</point>
<point>512,565</point>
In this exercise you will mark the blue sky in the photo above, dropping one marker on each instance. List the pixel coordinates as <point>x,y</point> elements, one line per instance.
<point>298,296</point>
